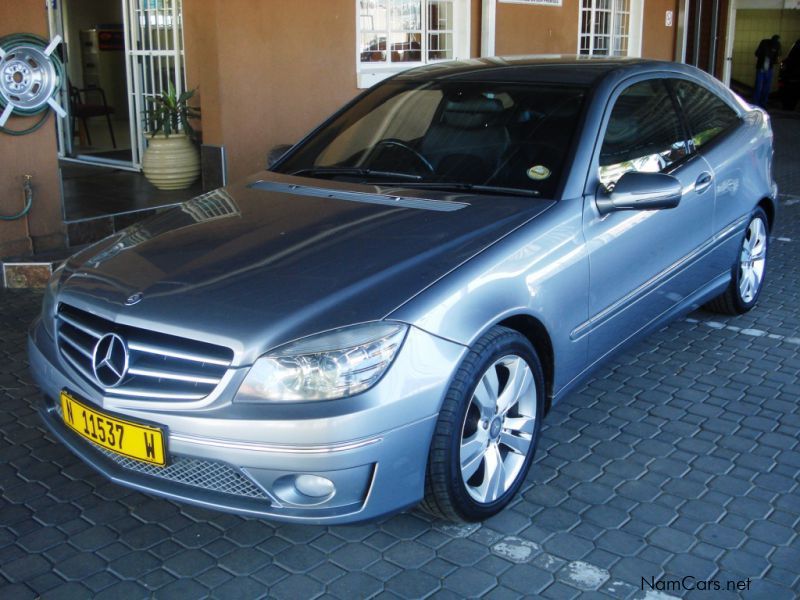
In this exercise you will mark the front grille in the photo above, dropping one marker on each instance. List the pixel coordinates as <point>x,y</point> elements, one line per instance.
<point>159,366</point>
<point>206,474</point>
<point>209,475</point>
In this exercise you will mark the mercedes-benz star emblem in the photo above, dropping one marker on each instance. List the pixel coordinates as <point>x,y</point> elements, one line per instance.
<point>110,360</point>
<point>134,299</point>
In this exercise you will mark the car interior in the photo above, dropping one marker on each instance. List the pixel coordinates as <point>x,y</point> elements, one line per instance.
<point>503,137</point>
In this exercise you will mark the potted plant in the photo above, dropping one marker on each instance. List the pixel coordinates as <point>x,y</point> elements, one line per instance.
<point>171,161</point>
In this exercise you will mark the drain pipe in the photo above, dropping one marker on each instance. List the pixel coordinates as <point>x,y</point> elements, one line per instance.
<point>27,188</point>
<point>488,28</point>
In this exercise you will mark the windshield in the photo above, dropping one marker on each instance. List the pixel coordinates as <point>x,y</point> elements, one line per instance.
<point>478,136</point>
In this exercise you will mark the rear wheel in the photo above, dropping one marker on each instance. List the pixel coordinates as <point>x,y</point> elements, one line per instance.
<point>748,271</point>
<point>487,430</point>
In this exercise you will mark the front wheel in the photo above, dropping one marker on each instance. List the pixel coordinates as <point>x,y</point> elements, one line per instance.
<point>487,430</point>
<point>747,277</point>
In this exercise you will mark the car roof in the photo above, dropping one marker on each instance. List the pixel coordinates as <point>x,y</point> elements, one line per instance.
<point>573,69</point>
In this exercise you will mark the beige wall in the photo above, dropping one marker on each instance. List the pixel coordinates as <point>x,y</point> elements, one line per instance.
<point>267,72</point>
<point>536,29</point>
<point>658,40</point>
<point>475,25</point>
<point>275,72</point>
<point>34,154</point>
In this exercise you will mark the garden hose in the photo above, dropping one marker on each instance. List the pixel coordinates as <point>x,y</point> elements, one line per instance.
<point>31,76</point>
<point>28,201</point>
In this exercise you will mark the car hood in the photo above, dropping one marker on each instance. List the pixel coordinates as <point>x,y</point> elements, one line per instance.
<point>277,258</point>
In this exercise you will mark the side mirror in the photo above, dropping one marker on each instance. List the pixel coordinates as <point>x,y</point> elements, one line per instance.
<point>276,154</point>
<point>640,191</point>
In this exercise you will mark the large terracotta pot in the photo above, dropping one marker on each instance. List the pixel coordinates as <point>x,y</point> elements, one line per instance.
<point>171,162</point>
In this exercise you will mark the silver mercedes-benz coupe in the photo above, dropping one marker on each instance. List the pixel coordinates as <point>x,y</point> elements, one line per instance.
<point>386,315</point>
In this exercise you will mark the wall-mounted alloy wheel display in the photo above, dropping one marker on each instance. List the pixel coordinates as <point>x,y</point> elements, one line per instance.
<point>31,76</point>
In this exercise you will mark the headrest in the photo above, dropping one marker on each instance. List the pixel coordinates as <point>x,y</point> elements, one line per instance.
<point>471,113</point>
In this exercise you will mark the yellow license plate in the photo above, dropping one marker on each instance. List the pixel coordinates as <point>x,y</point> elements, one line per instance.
<point>134,440</point>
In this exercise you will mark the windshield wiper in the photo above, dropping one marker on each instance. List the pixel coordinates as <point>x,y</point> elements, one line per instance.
<point>356,171</point>
<point>465,187</point>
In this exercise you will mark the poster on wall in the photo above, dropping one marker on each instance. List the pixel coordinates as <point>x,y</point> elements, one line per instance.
<point>537,2</point>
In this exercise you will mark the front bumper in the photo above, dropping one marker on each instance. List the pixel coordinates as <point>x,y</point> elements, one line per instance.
<point>372,447</point>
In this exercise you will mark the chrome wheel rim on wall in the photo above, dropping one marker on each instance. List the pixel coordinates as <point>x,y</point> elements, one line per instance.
<point>752,260</point>
<point>497,433</point>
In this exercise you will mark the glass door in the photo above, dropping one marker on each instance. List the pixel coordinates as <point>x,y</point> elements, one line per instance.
<point>97,127</point>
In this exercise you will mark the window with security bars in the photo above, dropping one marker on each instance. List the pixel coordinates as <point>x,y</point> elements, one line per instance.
<point>405,31</point>
<point>605,27</point>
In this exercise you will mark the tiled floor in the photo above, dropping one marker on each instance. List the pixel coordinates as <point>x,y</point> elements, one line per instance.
<point>91,191</point>
<point>680,458</point>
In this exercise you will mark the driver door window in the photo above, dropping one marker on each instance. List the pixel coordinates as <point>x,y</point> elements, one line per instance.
<point>644,133</point>
<point>707,114</point>
<point>638,267</point>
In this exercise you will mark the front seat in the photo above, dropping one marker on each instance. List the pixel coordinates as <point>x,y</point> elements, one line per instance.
<point>468,141</point>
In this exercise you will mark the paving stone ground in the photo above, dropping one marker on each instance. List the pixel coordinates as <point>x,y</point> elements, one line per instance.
<point>681,458</point>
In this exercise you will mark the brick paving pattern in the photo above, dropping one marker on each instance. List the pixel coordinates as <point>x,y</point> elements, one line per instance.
<point>680,458</point>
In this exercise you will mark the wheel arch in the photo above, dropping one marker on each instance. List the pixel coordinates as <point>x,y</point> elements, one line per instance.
<point>768,205</point>
<point>535,331</point>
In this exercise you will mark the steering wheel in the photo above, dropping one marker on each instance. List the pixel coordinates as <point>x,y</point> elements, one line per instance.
<point>395,143</point>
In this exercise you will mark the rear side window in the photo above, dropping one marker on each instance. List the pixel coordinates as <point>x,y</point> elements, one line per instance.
<point>707,114</point>
<point>644,133</point>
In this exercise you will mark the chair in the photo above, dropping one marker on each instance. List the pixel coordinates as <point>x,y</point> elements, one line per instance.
<point>83,110</point>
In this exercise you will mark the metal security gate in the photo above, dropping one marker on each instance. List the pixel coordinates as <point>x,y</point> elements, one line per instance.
<point>155,58</point>
<point>55,23</point>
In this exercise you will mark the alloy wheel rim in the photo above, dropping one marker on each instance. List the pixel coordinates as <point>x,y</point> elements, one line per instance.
<point>497,433</point>
<point>752,260</point>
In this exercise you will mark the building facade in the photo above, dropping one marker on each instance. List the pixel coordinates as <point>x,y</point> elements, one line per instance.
<point>268,71</point>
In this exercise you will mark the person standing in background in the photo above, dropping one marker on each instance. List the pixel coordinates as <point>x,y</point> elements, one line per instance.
<point>767,55</point>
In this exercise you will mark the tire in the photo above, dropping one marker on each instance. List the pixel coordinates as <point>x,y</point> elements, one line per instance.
<point>486,435</point>
<point>751,262</point>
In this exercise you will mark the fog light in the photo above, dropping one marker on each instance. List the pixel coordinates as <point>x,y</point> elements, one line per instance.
<point>314,486</point>
<point>303,489</point>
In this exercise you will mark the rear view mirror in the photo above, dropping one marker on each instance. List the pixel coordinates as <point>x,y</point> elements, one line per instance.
<point>640,191</point>
<point>276,154</point>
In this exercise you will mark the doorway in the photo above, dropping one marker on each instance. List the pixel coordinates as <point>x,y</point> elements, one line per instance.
<point>97,128</point>
<point>118,55</point>
<point>753,25</point>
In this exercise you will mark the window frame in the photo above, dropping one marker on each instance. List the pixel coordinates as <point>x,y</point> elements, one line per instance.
<point>671,83</point>
<point>593,183</point>
<point>368,74</point>
<point>634,34</point>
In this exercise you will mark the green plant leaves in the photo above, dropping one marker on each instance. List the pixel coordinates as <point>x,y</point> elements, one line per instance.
<point>170,113</point>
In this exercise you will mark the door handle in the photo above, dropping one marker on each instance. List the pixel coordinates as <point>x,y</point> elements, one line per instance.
<point>703,181</point>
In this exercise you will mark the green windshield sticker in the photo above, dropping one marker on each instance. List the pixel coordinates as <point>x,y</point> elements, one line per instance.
<point>538,172</point>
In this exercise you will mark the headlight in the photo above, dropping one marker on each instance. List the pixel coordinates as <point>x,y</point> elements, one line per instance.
<point>335,364</point>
